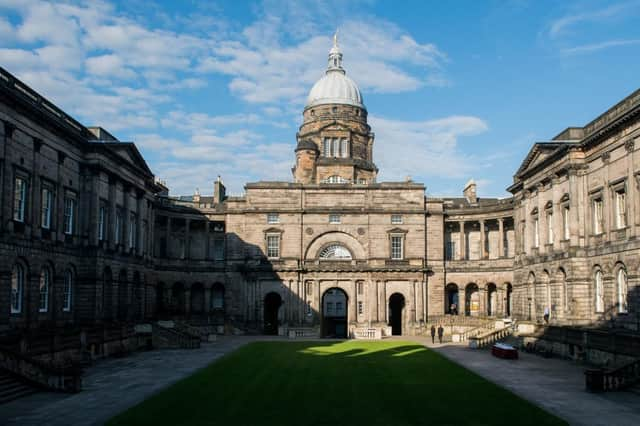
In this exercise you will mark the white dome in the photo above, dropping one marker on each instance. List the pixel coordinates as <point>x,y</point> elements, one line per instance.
<point>335,88</point>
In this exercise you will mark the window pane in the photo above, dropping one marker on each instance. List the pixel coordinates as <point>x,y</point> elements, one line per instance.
<point>68,288</point>
<point>396,247</point>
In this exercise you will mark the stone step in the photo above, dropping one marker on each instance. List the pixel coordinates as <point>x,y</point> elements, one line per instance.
<point>12,388</point>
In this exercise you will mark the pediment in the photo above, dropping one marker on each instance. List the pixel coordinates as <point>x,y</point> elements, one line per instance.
<point>129,153</point>
<point>538,154</point>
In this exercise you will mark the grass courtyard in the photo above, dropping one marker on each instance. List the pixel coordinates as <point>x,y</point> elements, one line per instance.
<point>389,383</point>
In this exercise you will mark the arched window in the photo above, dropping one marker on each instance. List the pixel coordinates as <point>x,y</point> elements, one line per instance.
<point>45,280</point>
<point>68,290</point>
<point>335,179</point>
<point>17,288</point>
<point>599,291</point>
<point>621,279</point>
<point>335,252</point>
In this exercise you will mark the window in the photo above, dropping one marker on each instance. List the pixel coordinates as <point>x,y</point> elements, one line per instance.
<point>599,292</point>
<point>19,199</point>
<point>335,179</point>
<point>273,246</point>
<point>273,218</point>
<point>396,219</point>
<point>17,288</point>
<point>69,214</point>
<point>334,218</point>
<point>45,279</point>
<point>218,249</point>
<point>335,252</point>
<point>217,298</point>
<point>102,223</point>
<point>621,209</point>
<point>47,204</point>
<point>133,228</point>
<point>335,143</point>
<point>335,147</point>
<point>598,224</point>
<point>565,223</point>
<point>536,232</point>
<point>621,278</point>
<point>450,250</point>
<point>344,148</point>
<point>118,227</point>
<point>339,308</point>
<point>396,247</point>
<point>329,307</point>
<point>360,307</point>
<point>67,291</point>
<point>326,147</point>
<point>550,235</point>
<point>360,286</point>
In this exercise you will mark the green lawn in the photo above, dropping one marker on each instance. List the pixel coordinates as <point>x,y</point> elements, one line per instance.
<point>388,383</point>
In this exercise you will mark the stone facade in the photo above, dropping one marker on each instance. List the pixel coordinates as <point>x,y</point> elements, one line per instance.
<point>386,256</point>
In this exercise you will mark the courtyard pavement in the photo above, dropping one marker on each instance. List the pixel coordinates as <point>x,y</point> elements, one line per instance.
<point>113,385</point>
<point>554,384</point>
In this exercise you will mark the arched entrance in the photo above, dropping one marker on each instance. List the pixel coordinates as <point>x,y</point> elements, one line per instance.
<point>509,299</point>
<point>217,304</point>
<point>451,299</point>
<point>334,313</point>
<point>396,308</point>
<point>272,303</point>
<point>492,300</point>
<point>472,300</point>
<point>197,299</point>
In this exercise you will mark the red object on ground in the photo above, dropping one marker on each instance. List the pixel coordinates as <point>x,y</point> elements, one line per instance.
<point>504,351</point>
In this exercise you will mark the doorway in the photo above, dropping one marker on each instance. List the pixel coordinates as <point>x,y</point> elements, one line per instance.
<point>334,313</point>
<point>272,303</point>
<point>396,308</point>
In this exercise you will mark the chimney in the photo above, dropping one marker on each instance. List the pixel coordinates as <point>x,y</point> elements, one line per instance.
<point>219,191</point>
<point>469,192</point>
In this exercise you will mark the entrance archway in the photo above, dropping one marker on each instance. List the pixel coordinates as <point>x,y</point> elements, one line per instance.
<point>492,300</point>
<point>472,300</point>
<point>334,313</point>
<point>451,299</point>
<point>396,308</point>
<point>272,303</point>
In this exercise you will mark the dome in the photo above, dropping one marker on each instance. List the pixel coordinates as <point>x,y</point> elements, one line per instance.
<point>335,87</point>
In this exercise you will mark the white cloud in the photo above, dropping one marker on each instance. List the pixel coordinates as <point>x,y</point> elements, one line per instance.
<point>429,148</point>
<point>563,25</point>
<point>594,47</point>
<point>108,66</point>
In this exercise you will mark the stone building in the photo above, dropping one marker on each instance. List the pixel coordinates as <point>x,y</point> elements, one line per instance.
<point>89,236</point>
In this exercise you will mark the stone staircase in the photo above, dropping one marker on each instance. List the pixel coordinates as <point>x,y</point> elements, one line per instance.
<point>12,387</point>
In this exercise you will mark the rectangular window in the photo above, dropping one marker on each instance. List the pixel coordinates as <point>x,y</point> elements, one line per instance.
<point>550,236</point>
<point>218,249</point>
<point>118,227</point>
<point>19,199</point>
<point>44,291</point>
<point>329,307</point>
<point>336,147</point>
<point>598,224</point>
<point>565,223</point>
<point>536,232</point>
<point>360,307</point>
<point>396,219</point>
<point>344,148</point>
<point>69,214</point>
<point>133,229</point>
<point>621,210</point>
<point>273,218</point>
<point>334,218</point>
<point>47,203</point>
<point>102,223</point>
<point>450,250</point>
<point>396,247</point>
<point>360,286</point>
<point>339,308</point>
<point>273,246</point>
<point>326,147</point>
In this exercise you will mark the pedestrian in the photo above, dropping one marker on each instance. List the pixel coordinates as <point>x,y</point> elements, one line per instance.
<point>440,332</point>
<point>546,315</point>
<point>433,333</point>
<point>454,309</point>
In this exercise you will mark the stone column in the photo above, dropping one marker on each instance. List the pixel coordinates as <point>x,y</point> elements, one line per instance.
<point>187,236</point>
<point>463,248</point>
<point>207,236</point>
<point>501,238</point>
<point>167,237</point>
<point>187,300</point>
<point>483,241</point>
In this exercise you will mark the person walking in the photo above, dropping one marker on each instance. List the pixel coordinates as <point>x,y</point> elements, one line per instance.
<point>433,333</point>
<point>546,315</point>
<point>440,332</point>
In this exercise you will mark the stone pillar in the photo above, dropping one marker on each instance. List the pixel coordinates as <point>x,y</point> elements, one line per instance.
<point>501,237</point>
<point>483,241</point>
<point>463,241</point>
<point>187,300</point>
<point>352,315</point>
<point>187,239</point>
<point>207,236</point>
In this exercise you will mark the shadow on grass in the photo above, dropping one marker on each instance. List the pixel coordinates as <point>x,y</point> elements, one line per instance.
<point>334,383</point>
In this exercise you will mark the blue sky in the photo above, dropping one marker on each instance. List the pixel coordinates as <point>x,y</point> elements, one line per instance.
<point>454,90</point>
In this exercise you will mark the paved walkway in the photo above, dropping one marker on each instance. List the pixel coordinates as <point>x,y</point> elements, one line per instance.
<point>554,384</point>
<point>113,385</point>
